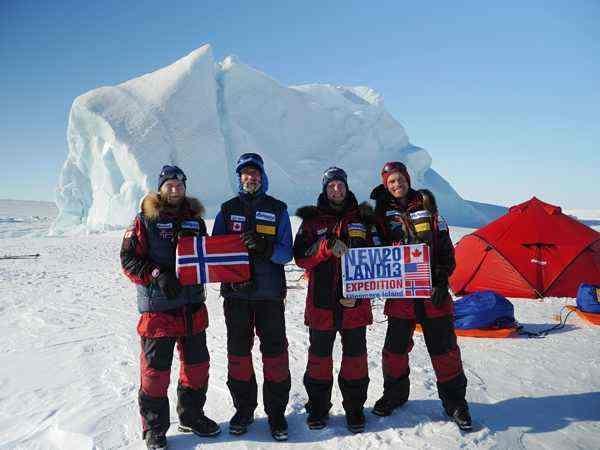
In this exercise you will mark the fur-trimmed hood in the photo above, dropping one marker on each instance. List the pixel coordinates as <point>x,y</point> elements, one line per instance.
<point>153,205</point>
<point>365,209</point>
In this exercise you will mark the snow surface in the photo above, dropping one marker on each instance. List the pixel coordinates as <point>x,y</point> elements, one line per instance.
<point>201,115</point>
<point>69,358</point>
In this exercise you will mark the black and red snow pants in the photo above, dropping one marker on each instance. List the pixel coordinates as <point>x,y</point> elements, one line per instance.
<point>242,317</point>
<point>353,378</point>
<point>156,359</point>
<point>440,340</point>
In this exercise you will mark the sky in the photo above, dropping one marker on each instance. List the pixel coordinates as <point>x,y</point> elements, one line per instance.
<point>505,96</point>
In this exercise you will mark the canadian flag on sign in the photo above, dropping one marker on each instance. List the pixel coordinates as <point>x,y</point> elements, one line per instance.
<point>415,254</point>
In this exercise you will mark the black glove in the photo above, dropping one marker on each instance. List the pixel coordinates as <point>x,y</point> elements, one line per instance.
<point>256,243</point>
<point>169,284</point>
<point>439,295</point>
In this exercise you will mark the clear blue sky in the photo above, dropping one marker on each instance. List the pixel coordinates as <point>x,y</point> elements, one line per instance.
<point>504,95</point>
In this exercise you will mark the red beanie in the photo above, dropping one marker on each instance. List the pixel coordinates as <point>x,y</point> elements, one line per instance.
<point>391,167</point>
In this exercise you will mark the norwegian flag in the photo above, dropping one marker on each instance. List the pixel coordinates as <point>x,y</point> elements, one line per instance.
<point>417,288</point>
<point>212,259</point>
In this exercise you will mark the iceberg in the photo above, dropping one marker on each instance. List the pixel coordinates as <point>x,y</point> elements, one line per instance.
<point>201,115</point>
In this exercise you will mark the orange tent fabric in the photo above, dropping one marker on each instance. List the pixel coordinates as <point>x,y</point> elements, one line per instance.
<point>532,251</point>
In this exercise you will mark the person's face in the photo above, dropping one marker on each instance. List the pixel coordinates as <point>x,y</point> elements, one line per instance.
<point>336,191</point>
<point>397,185</point>
<point>173,191</point>
<point>251,178</point>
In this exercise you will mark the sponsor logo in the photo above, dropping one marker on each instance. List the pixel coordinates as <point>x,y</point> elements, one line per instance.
<point>422,227</point>
<point>392,212</point>
<point>265,229</point>
<point>423,214</point>
<point>235,218</point>
<point>164,226</point>
<point>357,226</point>
<point>539,262</point>
<point>190,225</point>
<point>267,216</point>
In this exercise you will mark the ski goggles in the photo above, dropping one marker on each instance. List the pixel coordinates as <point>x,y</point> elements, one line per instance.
<point>334,173</point>
<point>393,166</point>
<point>172,173</point>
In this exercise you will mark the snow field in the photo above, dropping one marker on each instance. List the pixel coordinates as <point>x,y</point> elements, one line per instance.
<point>69,367</point>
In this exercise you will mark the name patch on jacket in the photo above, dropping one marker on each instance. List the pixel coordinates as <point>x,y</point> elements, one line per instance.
<point>392,212</point>
<point>164,226</point>
<point>236,218</point>
<point>357,230</point>
<point>266,216</point>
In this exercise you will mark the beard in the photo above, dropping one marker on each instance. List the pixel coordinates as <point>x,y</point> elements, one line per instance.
<point>251,188</point>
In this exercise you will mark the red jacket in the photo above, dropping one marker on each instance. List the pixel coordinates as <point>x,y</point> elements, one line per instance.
<point>323,309</point>
<point>396,227</point>
<point>138,263</point>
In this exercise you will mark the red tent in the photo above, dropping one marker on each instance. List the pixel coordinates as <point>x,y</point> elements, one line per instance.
<point>532,251</point>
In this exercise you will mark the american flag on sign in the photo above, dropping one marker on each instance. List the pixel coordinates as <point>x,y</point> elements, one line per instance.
<point>417,270</point>
<point>212,259</point>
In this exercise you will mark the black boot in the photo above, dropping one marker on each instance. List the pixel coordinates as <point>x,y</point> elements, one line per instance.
<point>203,426</point>
<point>316,422</point>
<point>279,427</point>
<point>240,421</point>
<point>355,420</point>
<point>155,440</point>
<point>317,417</point>
<point>462,418</point>
<point>385,406</point>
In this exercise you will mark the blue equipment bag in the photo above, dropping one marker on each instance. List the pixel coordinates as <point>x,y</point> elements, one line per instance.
<point>588,298</point>
<point>484,309</point>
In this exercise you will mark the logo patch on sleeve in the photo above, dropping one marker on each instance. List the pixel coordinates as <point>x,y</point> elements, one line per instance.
<point>266,216</point>
<point>265,229</point>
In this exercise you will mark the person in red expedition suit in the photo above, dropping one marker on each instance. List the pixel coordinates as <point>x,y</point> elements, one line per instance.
<point>326,232</point>
<point>407,216</point>
<point>170,313</point>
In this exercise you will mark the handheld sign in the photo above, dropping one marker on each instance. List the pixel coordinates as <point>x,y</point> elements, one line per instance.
<point>391,272</point>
